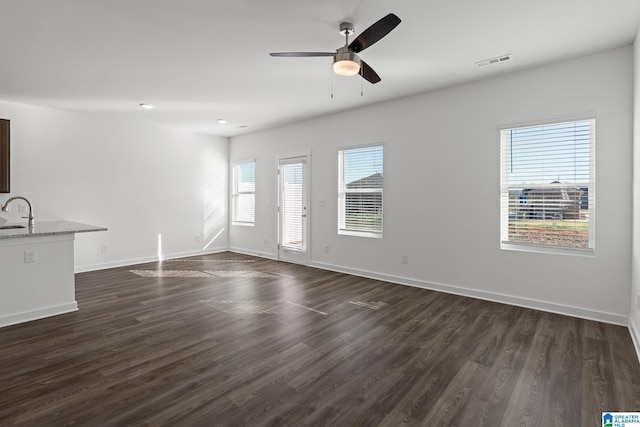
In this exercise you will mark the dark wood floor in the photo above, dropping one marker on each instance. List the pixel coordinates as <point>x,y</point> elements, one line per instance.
<point>228,339</point>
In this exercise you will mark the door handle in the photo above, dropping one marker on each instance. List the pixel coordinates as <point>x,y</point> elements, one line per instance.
<point>304,215</point>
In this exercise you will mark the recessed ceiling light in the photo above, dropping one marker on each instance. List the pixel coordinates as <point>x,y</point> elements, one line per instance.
<point>222,121</point>
<point>146,106</point>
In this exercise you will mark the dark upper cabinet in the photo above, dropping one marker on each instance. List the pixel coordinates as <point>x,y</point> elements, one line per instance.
<point>4,156</point>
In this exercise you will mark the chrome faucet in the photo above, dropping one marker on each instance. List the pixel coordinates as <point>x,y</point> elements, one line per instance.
<point>5,208</point>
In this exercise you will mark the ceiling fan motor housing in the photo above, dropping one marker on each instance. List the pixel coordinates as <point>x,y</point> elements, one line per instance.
<point>346,63</point>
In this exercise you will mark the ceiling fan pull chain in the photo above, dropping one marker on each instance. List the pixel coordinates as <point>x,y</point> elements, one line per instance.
<point>331,83</point>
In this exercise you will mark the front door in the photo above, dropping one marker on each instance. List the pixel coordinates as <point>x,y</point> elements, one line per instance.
<point>293,215</point>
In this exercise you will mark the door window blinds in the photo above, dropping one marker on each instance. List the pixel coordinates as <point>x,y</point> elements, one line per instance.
<point>292,205</point>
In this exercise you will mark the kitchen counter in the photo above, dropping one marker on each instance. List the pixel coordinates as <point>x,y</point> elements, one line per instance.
<point>37,273</point>
<point>47,228</point>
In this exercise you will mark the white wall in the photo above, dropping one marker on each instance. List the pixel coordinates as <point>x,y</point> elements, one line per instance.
<point>137,180</point>
<point>634,320</point>
<point>442,188</point>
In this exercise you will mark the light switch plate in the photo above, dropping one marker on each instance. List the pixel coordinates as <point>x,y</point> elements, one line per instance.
<point>30,256</point>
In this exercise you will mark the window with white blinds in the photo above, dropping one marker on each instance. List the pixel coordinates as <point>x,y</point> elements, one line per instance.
<point>360,172</point>
<point>547,185</point>
<point>243,194</point>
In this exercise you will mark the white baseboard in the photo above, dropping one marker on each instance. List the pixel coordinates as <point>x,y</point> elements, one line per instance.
<point>13,319</point>
<point>253,253</point>
<point>488,296</point>
<point>634,331</point>
<point>134,261</point>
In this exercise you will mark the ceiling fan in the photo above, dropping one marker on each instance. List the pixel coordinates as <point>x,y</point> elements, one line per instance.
<point>346,62</point>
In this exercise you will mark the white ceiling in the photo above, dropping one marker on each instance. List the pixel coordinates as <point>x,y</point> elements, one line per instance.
<point>200,60</point>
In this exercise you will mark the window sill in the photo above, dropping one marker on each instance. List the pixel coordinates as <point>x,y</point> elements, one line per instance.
<point>244,224</point>
<point>360,234</point>
<point>524,247</point>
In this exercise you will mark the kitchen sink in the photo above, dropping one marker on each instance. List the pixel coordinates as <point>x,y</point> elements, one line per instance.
<point>10,227</point>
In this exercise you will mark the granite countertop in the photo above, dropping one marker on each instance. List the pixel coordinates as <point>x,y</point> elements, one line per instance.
<point>47,228</point>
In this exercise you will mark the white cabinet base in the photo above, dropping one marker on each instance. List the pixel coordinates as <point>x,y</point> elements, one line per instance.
<point>36,278</point>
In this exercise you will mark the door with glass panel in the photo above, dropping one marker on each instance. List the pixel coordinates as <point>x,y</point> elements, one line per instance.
<point>293,215</point>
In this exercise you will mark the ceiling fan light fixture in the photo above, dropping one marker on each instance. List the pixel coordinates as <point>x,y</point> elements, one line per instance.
<point>346,63</point>
<point>346,68</point>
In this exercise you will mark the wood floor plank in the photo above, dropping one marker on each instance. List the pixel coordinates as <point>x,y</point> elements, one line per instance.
<point>562,399</point>
<point>507,367</point>
<point>233,340</point>
<point>452,407</point>
<point>599,393</point>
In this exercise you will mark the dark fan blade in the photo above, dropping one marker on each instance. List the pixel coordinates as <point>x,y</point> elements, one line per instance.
<point>374,33</point>
<point>368,74</point>
<point>300,54</point>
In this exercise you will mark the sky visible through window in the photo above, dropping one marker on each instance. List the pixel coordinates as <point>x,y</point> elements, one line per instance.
<point>293,174</point>
<point>246,176</point>
<point>362,162</point>
<point>550,153</point>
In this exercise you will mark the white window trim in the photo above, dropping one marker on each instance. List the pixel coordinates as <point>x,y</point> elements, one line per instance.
<point>341,195</point>
<point>235,193</point>
<point>558,250</point>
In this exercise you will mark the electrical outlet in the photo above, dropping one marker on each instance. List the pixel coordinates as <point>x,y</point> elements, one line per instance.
<point>321,203</point>
<point>264,239</point>
<point>30,256</point>
<point>198,237</point>
<point>405,259</point>
<point>326,247</point>
<point>105,248</point>
<point>22,208</point>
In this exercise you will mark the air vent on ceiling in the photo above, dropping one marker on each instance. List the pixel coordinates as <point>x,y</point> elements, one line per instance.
<point>496,60</point>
